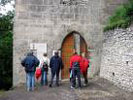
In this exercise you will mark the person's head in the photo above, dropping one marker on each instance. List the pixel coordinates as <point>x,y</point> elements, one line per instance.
<point>74,51</point>
<point>45,54</point>
<point>83,54</point>
<point>56,53</point>
<point>30,53</point>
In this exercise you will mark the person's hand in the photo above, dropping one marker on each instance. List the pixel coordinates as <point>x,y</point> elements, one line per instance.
<point>70,70</point>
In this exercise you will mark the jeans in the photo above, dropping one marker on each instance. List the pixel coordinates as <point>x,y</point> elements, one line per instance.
<point>30,81</point>
<point>44,78</point>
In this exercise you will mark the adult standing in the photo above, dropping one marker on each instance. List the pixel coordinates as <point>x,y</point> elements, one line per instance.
<point>56,65</point>
<point>75,65</point>
<point>44,63</point>
<point>30,62</point>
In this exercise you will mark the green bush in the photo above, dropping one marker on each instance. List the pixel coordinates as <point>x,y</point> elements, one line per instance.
<point>6,48</point>
<point>122,17</point>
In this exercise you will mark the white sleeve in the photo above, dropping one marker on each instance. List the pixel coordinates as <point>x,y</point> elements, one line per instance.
<point>48,61</point>
<point>41,63</point>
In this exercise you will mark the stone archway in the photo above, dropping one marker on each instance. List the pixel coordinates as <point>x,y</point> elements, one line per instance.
<point>72,41</point>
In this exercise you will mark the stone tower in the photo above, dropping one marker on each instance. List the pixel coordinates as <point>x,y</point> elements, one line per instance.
<point>42,26</point>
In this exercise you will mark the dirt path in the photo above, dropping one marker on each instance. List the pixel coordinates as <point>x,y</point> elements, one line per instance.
<point>98,89</point>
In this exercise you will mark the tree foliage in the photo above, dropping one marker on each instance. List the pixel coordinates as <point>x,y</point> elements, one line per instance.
<point>4,2</point>
<point>122,17</point>
<point>6,46</point>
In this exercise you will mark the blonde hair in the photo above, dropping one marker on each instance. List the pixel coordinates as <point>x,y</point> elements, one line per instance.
<point>83,54</point>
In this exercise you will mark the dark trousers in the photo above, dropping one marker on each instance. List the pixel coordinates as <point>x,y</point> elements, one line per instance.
<point>53,72</point>
<point>76,73</point>
<point>85,77</point>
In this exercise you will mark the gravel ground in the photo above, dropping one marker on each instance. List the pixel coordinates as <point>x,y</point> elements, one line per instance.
<point>97,89</point>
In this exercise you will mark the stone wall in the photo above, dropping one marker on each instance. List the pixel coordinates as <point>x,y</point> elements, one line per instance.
<point>49,21</point>
<point>117,58</point>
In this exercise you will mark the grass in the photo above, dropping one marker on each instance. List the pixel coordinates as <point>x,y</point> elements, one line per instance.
<point>122,17</point>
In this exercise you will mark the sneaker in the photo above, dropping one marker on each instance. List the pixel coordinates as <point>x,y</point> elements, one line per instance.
<point>85,84</point>
<point>72,87</point>
<point>28,90</point>
<point>50,85</point>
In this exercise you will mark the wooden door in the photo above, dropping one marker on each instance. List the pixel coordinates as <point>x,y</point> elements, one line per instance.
<point>67,51</point>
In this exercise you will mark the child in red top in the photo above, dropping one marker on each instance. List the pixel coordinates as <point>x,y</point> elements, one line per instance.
<point>84,68</point>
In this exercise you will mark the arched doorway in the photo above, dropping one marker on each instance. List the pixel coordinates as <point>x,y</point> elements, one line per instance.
<point>72,41</point>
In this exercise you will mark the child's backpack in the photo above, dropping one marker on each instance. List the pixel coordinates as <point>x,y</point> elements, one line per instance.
<point>45,67</point>
<point>76,65</point>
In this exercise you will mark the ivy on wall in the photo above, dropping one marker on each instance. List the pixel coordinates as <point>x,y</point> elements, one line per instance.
<point>122,17</point>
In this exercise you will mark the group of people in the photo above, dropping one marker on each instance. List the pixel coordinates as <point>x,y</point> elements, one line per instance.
<point>78,65</point>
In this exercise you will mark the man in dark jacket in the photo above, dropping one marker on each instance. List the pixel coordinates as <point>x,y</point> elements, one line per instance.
<point>30,63</point>
<point>55,65</point>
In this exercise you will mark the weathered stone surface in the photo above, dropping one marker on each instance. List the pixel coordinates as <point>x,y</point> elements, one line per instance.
<point>117,58</point>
